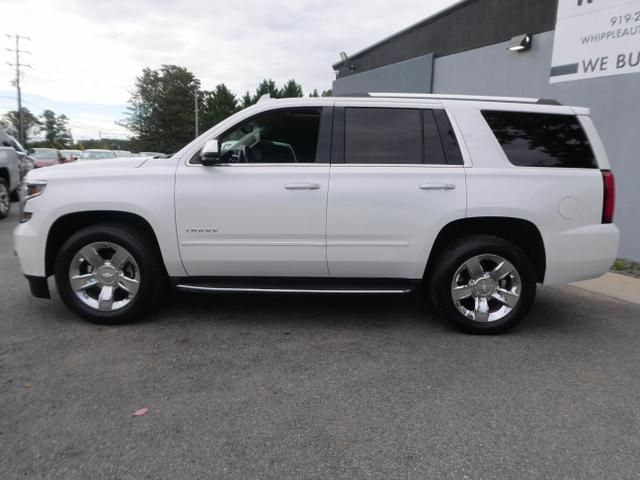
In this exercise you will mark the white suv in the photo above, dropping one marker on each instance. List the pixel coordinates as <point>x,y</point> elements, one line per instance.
<point>477,199</point>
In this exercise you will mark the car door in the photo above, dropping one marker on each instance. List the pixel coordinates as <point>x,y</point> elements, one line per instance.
<point>397,177</point>
<point>263,213</point>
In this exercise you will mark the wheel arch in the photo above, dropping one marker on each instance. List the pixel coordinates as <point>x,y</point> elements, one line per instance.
<point>522,233</point>
<point>68,224</point>
<point>4,174</point>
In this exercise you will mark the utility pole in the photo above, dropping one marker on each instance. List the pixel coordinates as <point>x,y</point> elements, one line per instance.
<point>196,110</point>
<point>18,65</point>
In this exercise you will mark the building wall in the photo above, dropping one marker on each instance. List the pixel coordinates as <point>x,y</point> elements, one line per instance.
<point>465,25</point>
<point>614,102</point>
<point>408,76</point>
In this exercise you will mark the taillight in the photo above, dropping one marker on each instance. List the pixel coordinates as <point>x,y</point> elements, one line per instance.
<point>609,200</point>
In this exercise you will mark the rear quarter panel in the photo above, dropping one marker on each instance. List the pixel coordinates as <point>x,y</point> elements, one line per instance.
<point>564,203</point>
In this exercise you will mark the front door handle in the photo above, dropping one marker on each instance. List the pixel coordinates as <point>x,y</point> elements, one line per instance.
<point>302,186</point>
<point>437,186</point>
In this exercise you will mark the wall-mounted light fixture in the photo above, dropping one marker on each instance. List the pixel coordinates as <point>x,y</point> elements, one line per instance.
<point>520,43</point>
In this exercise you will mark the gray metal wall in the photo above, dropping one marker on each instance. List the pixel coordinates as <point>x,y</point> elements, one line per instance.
<point>408,76</point>
<point>614,103</point>
<point>469,24</point>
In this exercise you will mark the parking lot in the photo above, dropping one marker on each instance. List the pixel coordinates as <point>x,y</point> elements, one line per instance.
<point>269,386</point>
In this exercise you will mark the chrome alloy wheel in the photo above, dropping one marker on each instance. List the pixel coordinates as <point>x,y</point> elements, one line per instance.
<point>4,200</point>
<point>486,288</point>
<point>104,276</point>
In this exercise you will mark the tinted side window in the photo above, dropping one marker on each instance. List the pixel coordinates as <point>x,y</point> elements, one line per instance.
<point>541,139</point>
<point>279,136</point>
<point>433,151</point>
<point>383,136</point>
<point>448,137</point>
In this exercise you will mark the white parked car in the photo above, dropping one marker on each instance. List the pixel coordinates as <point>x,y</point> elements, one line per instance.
<point>151,154</point>
<point>123,153</point>
<point>477,199</point>
<point>97,154</point>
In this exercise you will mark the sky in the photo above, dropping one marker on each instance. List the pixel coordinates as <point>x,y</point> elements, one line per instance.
<point>86,54</point>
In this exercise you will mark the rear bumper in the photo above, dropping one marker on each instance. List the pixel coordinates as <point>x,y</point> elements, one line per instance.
<point>38,286</point>
<point>579,253</point>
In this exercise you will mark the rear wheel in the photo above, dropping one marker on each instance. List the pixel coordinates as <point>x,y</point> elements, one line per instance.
<point>109,274</point>
<point>483,284</point>
<point>5,200</point>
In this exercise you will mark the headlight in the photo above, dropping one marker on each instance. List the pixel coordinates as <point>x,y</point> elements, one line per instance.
<point>33,188</point>
<point>30,189</point>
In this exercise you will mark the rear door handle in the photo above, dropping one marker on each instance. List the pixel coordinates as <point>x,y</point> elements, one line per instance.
<point>302,186</point>
<point>437,186</point>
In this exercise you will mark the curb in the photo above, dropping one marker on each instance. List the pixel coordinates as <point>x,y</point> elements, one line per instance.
<point>613,285</point>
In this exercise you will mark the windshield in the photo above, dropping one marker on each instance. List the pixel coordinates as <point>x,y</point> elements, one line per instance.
<point>45,154</point>
<point>89,155</point>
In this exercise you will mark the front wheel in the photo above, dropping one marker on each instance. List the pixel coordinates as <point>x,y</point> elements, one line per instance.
<point>483,284</point>
<point>109,274</point>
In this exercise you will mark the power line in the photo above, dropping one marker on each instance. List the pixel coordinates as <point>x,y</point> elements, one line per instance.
<point>18,66</point>
<point>26,101</point>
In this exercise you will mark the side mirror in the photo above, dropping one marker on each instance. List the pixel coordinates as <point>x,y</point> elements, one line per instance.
<point>210,154</point>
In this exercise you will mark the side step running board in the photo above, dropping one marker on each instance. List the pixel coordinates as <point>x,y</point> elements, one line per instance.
<point>295,285</point>
<point>199,288</point>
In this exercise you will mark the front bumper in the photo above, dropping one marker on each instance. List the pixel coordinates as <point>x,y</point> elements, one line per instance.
<point>29,245</point>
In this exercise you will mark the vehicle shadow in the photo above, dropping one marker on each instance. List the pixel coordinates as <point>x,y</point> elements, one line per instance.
<point>553,311</point>
<point>556,310</point>
<point>365,311</point>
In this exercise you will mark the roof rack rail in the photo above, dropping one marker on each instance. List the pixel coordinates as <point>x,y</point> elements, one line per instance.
<point>264,98</point>
<point>548,101</point>
<point>355,94</point>
<point>440,96</point>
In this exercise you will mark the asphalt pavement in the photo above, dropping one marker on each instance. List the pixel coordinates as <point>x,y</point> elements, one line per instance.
<point>297,387</point>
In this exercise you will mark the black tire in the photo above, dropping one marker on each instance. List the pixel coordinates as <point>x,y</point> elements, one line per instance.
<point>447,263</point>
<point>142,249</point>
<point>5,199</point>
<point>15,195</point>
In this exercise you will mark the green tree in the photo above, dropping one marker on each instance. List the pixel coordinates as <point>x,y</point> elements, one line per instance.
<point>56,129</point>
<point>218,104</point>
<point>314,94</point>
<point>32,125</point>
<point>161,111</point>
<point>247,100</point>
<point>291,89</point>
<point>63,138</point>
<point>49,125</point>
<point>327,93</point>
<point>266,86</point>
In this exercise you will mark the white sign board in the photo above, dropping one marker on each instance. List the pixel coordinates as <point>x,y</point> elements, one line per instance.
<point>596,38</point>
